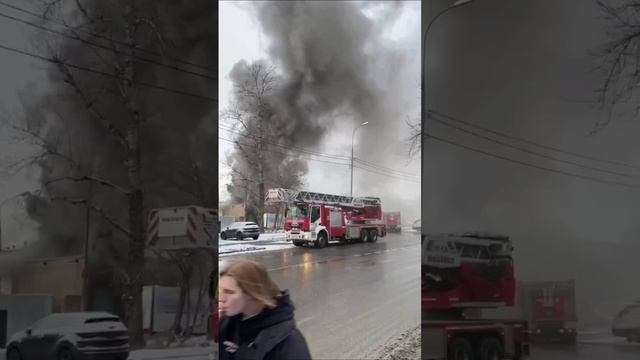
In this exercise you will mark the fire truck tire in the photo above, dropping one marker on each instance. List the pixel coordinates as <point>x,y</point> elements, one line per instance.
<point>490,349</point>
<point>298,243</point>
<point>322,240</point>
<point>365,236</point>
<point>460,349</point>
<point>373,235</point>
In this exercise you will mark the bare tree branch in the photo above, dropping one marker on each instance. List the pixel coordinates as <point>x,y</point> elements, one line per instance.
<point>97,209</point>
<point>69,79</point>
<point>89,178</point>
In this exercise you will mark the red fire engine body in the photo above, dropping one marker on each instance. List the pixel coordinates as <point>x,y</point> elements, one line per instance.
<point>315,218</point>
<point>461,275</point>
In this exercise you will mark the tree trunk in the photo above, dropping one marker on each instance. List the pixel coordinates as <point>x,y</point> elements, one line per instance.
<point>135,269</point>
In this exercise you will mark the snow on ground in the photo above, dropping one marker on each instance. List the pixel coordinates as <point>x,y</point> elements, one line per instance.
<point>190,353</point>
<point>237,249</point>
<point>266,242</point>
<point>405,347</point>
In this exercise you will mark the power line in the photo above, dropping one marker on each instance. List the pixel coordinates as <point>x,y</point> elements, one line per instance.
<point>533,152</point>
<point>417,181</point>
<point>310,152</point>
<point>534,143</point>
<point>566,173</point>
<point>87,42</point>
<point>317,153</point>
<point>323,161</point>
<point>281,153</point>
<point>82,68</point>
<point>150,52</point>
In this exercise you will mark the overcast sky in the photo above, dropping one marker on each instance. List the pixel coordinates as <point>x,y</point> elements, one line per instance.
<point>241,38</point>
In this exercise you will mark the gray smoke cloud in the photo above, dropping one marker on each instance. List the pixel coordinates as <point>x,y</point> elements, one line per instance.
<point>524,69</point>
<point>336,70</point>
<point>178,137</point>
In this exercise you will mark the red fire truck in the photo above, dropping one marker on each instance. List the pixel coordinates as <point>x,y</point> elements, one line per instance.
<point>392,221</point>
<point>315,218</point>
<point>461,275</point>
<point>550,309</point>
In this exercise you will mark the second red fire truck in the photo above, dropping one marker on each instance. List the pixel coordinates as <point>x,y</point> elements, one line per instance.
<point>317,219</point>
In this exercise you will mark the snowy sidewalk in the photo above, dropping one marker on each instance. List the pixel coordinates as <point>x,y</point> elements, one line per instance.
<point>266,242</point>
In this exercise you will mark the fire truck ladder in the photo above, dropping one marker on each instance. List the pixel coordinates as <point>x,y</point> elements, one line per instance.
<point>294,196</point>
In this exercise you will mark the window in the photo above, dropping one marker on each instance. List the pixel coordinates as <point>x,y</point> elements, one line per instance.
<point>295,211</point>
<point>315,214</point>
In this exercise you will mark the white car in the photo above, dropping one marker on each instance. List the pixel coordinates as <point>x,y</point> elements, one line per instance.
<point>417,225</point>
<point>627,323</point>
<point>71,336</point>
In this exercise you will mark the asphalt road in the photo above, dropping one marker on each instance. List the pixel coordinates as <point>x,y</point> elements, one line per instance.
<point>350,299</point>
<point>585,352</point>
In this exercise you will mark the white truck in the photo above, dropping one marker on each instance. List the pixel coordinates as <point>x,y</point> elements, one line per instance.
<point>182,227</point>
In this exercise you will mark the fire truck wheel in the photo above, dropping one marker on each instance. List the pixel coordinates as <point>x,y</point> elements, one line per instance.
<point>460,349</point>
<point>322,240</point>
<point>365,236</point>
<point>297,243</point>
<point>373,237</point>
<point>490,349</point>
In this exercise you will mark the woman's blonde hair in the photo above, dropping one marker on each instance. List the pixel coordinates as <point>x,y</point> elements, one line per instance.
<point>254,280</point>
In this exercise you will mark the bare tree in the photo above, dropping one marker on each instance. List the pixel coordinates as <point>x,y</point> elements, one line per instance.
<point>260,160</point>
<point>620,58</point>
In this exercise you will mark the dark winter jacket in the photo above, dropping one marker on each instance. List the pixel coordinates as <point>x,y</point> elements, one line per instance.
<point>270,335</point>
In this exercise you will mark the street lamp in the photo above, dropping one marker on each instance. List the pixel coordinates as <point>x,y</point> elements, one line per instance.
<point>423,109</point>
<point>352,135</point>
<point>456,4</point>
<point>22,194</point>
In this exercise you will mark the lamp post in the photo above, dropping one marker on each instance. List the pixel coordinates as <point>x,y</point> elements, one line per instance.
<point>425,111</point>
<point>352,136</point>
<point>425,114</point>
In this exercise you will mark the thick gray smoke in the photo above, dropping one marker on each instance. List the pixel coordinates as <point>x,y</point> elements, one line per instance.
<point>524,69</point>
<point>178,135</point>
<point>336,70</point>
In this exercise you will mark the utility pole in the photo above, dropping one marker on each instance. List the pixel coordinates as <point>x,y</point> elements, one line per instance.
<point>352,136</point>
<point>87,235</point>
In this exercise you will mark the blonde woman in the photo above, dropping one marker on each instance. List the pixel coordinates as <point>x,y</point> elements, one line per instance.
<point>257,321</point>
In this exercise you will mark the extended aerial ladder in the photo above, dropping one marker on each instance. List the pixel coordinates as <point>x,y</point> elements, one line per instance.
<point>288,196</point>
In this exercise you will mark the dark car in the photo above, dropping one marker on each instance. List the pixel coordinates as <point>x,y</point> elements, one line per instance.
<point>72,336</point>
<point>240,231</point>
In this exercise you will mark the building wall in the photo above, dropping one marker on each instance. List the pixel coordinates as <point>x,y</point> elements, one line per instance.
<point>60,278</point>
<point>23,311</point>
<point>236,211</point>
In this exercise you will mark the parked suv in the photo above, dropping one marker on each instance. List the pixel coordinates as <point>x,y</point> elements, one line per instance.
<point>69,336</point>
<point>240,231</point>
